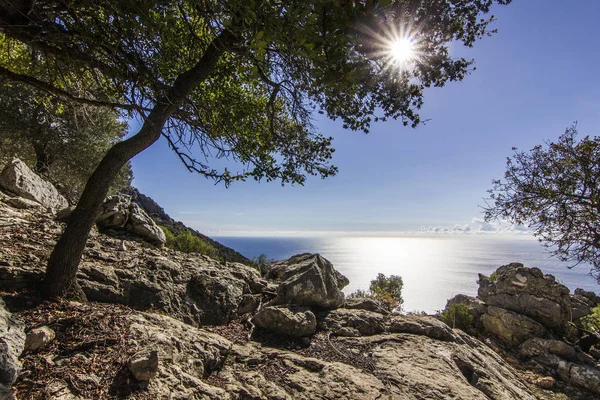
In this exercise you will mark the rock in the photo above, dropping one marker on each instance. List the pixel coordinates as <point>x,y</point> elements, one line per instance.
<point>545,382</point>
<point>421,325</point>
<point>144,365</point>
<point>308,280</point>
<point>219,295</point>
<point>364,322</point>
<point>363,303</point>
<point>580,307</point>
<point>287,320</point>
<point>39,337</point>
<point>143,226</point>
<point>476,307</point>
<point>17,178</point>
<point>536,347</point>
<point>529,292</point>
<point>591,296</point>
<point>120,214</point>
<point>579,375</point>
<point>12,341</point>
<point>249,303</point>
<point>511,327</point>
<point>22,203</point>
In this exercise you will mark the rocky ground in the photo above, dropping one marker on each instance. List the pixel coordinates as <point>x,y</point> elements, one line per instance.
<point>166,325</point>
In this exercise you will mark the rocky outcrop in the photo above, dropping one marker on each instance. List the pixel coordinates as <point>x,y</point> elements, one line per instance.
<point>118,213</point>
<point>529,313</point>
<point>512,328</point>
<point>158,214</point>
<point>363,303</point>
<point>191,287</point>
<point>308,280</point>
<point>12,341</point>
<point>18,179</point>
<point>527,291</point>
<point>287,320</point>
<point>170,359</point>
<point>582,303</point>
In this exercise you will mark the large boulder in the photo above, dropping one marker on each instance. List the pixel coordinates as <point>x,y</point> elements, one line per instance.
<point>347,322</point>
<point>12,341</point>
<point>17,178</point>
<point>289,321</point>
<point>308,280</point>
<point>529,292</point>
<point>512,328</point>
<point>121,214</point>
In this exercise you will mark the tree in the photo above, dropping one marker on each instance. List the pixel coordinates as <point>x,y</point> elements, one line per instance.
<point>234,78</point>
<point>555,189</point>
<point>63,141</point>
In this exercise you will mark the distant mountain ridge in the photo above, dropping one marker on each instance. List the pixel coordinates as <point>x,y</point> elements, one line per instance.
<point>162,218</point>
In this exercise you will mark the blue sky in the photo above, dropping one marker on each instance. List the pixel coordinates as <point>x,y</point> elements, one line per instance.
<point>533,78</point>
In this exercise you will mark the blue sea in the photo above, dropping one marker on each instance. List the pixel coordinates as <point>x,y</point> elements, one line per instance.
<point>434,267</point>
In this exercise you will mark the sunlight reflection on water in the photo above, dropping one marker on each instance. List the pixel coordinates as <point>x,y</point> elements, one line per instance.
<point>434,268</point>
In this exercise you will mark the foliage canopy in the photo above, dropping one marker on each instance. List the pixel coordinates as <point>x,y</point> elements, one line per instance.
<point>555,189</point>
<point>282,61</point>
<point>63,141</point>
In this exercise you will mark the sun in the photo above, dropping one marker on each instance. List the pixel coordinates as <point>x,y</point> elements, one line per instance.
<point>402,50</point>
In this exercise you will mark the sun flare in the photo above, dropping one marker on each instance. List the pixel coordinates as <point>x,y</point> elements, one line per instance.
<point>402,50</point>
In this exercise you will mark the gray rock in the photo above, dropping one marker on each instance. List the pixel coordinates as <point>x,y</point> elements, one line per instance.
<point>364,322</point>
<point>289,321</point>
<point>218,294</point>
<point>144,365</point>
<point>581,306</point>
<point>22,203</point>
<point>39,337</point>
<point>529,292</point>
<point>119,213</point>
<point>421,325</point>
<point>17,178</point>
<point>510,327</point>
<point>591,296</point>
<point>143,226</point>
<point>579,375</point>
<point>363,303</point>
<point>12,341</point>
<point>476,307</point>
<point>536,347</point>
<point>308,280</point>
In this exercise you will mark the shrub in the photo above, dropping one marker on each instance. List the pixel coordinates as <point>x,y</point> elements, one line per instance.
<point>387,290</point>
<point>187,242</point>
<point>457,316</point>
<point>591,322</point>
<point>169,235</point>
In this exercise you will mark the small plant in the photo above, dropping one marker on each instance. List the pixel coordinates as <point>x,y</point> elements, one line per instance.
<point>168,235</point>
<point>457,316</point>
<point>493,277</point>
<point>187,242</point>
<point>591,322</point>
<point>387,290</point>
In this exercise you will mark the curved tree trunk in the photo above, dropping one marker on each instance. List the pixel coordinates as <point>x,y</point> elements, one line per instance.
<point>62,267</point>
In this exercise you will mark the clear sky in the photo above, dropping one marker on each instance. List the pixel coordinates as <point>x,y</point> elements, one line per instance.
<point>533,78</point>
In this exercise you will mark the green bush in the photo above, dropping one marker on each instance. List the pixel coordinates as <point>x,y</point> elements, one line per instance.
<point>169,235</point>
<point>457,316</point>
<point>187,242</point>
<point>388,290</point>
<point>591,322</point>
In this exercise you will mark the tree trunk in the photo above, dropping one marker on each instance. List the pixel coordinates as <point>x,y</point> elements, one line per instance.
<point>62,267</point>
<point>42,160</point>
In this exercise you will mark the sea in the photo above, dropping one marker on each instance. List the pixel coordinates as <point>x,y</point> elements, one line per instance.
<point>434,268</point>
